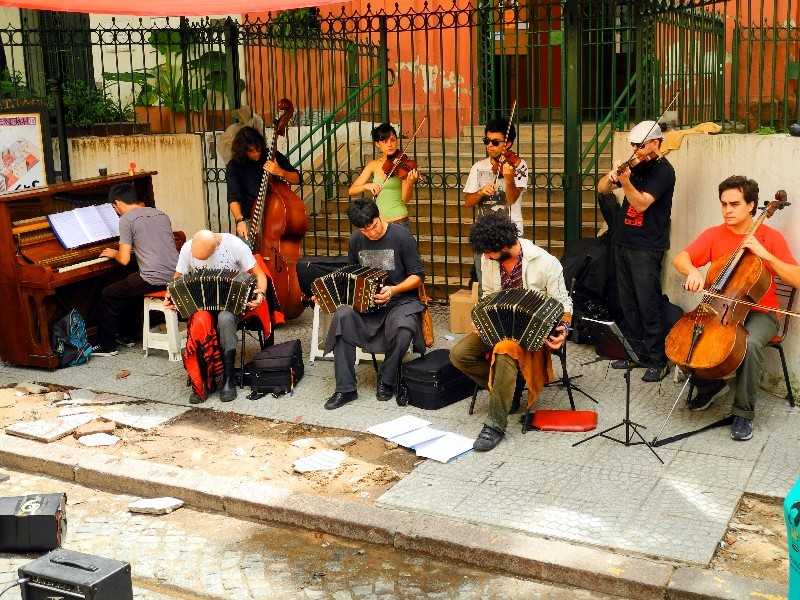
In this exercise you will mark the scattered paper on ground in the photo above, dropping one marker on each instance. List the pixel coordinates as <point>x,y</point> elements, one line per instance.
<point>418,436</point>
<point>398,426</point>
<point>332,442</point>
<point>155,506</point>
<point>446,448</point>
<point>324,460</point>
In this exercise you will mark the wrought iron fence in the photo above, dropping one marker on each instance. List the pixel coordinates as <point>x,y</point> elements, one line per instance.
<point>577,72</point>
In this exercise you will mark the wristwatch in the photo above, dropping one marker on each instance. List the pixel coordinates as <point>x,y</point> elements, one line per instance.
<point>240,220</point>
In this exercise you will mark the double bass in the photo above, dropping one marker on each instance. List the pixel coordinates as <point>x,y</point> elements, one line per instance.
<point>277,226</point>
<point>711,341</point>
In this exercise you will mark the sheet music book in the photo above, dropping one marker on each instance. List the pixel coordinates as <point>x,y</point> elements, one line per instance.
<point>85,225</point>
<point>608,339</point>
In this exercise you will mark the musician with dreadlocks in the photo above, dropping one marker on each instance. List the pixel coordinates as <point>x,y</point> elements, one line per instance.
<point>509,262</point>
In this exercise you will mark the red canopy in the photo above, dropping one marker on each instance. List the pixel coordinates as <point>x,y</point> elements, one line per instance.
<point>166,8</point>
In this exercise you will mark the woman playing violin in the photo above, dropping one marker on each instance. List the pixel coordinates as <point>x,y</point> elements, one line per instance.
<point>642,237</point>
<point>392,192</point>
<point>738,197</point>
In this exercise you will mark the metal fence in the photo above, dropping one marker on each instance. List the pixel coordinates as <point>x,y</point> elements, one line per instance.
<point>575,71</point>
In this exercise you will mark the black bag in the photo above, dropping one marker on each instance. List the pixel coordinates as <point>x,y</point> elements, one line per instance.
<point>68,340</point>
<point>276,370</point>
<point>432,382</point>
<point>310,268</point>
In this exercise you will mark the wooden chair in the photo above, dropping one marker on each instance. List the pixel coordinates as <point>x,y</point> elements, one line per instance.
<point>785,295</point>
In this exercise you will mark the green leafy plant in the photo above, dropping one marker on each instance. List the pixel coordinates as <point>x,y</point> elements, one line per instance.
<point>163,84</point>
<point>212,72</point>
<point>12,85</point>
<point>85,105</point>
<point>764,130</point>
<point>296,27</point>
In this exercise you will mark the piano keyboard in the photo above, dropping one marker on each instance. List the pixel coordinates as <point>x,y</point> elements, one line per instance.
<point>79,265</point>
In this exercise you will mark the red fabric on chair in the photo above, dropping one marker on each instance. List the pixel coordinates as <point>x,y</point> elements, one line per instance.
<point>202,356</point>
<point>564,420</point>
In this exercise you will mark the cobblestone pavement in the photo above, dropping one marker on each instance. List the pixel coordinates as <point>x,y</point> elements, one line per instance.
<point>602,493</point>
<point>189,555</point>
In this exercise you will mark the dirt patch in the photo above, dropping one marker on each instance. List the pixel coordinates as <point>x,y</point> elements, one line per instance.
<point>755,544</point>
<point>249,448</point>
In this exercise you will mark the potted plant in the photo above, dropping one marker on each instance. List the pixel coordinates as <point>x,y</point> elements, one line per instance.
<point>92,111</point>
<point>211,73</point>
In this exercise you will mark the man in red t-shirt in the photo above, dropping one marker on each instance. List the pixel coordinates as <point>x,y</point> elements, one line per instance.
<point>738,198</point>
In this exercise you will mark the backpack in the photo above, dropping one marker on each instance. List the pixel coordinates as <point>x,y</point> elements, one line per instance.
<point>68,340</point>
<point>276,370</point>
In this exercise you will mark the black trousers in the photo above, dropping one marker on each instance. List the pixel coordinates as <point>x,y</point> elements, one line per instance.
<point>641,302</point>
<point>120,299</point>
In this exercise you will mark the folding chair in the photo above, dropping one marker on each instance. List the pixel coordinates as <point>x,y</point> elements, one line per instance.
<point>785,295</point>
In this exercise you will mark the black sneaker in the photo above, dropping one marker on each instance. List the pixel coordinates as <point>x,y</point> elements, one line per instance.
<point>125,341</point>
<point>654,374</point>
<point>98,351</point>
<point>703,400</point>
<point>741,429</point>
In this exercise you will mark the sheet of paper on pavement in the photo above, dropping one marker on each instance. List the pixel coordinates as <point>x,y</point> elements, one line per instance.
<point>417,436</point>
<point>446,448</point>
<point>398,426</point>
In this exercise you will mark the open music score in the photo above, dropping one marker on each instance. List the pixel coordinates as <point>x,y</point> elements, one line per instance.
<point>85,225</point>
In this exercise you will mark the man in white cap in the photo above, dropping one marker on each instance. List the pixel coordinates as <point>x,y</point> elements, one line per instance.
<point>642,237</point>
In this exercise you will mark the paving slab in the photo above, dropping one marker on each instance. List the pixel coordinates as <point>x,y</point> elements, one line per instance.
<point>48,430</point>
<point>145,416</point>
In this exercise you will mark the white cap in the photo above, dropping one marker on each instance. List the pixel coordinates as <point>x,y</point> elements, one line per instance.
<point>644,132</point>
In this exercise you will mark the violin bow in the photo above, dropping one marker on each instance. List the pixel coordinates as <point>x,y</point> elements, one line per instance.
<point>400,152</point>
<point>781,311</point>
<point>505,139</point>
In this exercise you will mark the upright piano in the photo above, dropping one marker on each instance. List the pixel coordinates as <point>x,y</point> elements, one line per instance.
<point>40,280</point>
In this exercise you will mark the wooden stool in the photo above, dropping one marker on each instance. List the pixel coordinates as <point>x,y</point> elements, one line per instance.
<point>173,340</point>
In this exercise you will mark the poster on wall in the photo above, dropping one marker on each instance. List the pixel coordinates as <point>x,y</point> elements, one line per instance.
<point>26,153</point>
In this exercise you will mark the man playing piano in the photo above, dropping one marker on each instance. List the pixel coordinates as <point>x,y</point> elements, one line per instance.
<point>146,233</point>
<point>509,262</point>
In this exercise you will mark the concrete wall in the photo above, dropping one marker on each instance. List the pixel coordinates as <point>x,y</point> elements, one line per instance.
<point>179,187</point>
<point>701,163</point>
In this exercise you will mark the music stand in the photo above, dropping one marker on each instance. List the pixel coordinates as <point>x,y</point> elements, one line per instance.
<point>610,343</point>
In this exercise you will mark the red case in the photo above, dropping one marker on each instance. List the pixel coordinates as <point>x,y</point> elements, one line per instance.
<point>564,420</point>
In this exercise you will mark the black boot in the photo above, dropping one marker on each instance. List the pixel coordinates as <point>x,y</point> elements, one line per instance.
<point>227,391</point>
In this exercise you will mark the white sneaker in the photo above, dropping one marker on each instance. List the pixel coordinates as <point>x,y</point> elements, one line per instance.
<point>97,352</point>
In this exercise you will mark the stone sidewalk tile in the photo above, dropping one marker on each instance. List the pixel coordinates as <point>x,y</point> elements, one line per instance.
<point>706,503</point>
<point>777,468</point>
<point>710,471</point>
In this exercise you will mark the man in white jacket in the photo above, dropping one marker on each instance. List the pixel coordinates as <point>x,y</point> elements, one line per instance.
<point>509,262</point>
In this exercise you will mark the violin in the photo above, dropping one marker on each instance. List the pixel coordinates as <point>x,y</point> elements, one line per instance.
<point>515,161</point>
<point>399,164</point>
<point>636,162</point>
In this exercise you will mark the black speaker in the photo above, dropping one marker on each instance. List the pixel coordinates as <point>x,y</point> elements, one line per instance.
<point>74,575</point>
<point>32,523</point>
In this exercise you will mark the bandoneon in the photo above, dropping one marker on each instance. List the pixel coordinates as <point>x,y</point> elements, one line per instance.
<point>354,286</point>
<point>523,316</point>
<point>211,289</point>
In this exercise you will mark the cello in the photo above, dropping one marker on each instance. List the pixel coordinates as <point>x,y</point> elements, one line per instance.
<point>710,341</point>
<point>278,224</point>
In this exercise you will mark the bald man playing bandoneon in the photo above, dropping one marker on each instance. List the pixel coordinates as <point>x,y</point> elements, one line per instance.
<point>213,334</point>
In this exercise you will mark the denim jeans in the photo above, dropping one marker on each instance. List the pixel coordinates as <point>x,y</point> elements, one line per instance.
<point>641,302</point>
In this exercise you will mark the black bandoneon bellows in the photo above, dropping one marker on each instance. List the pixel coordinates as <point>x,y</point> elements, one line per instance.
<point>211,289</point>
<point>32,523</point>
<point>69,574</point>
<point>354,286</point>
<point>524,316</point>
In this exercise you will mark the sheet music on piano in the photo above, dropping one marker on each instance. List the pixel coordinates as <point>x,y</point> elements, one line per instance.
<point>85,225</point>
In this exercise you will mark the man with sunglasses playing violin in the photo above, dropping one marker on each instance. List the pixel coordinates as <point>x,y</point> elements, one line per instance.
<point>494,183</point>
<point>642,238</point>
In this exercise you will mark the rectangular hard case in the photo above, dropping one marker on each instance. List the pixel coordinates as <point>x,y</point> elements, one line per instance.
<point>432,381</point>
<point>276,369</point>
<point>74,575</point>
<point>32,523</point>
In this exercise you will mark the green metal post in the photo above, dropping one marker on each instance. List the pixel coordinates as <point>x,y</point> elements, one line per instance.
<point>572,120</point>
<point>232,66</point>
<point>383,65</point>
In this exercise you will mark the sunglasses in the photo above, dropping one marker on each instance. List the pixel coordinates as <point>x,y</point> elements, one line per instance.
<point>487,141</point>
<point>642,145</point>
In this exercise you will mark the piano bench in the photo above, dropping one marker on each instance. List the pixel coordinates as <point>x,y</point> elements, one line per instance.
<point>173,340</point>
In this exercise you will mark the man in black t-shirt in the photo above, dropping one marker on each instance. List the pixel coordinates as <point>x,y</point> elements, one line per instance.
<point>243,174</point>
<point>642,237</point>
<point>389,330</point>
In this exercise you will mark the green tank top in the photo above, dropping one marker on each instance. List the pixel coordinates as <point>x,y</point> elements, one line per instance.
<point>390,200</point>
